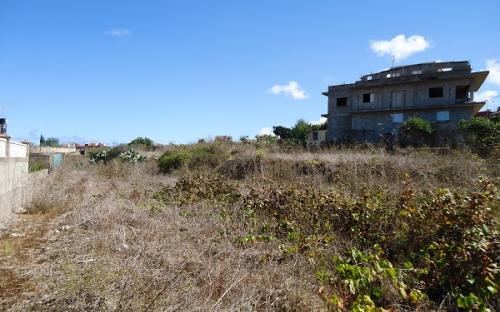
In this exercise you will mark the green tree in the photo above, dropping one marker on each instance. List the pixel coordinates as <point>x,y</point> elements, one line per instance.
<point>145,142</point>
<point>301,130</point>
<point>283,132</point>
<point>52,141</point>
<point>298,133</point>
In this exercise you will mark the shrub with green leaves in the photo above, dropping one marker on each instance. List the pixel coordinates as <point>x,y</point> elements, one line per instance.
<point>416,131</point>
<point>370,277</point>
<point>414,249</point>
<point>208,155</point>
<point>481,133</point>
<point>37,166</point>
<point>131,156</point>
<point>194,157</point>
<point>96,156</point>
<point>143,142</point>
<point>172,160</point>
<point>117,152</point>
<point>417,124</point>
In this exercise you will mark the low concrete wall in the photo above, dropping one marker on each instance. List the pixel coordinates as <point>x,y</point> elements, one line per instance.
<point>16,184</point>
<point>13,182</point>
<point>52,150</point>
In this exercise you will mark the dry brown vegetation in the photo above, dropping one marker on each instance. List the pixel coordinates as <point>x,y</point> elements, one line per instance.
<point>123,237</point>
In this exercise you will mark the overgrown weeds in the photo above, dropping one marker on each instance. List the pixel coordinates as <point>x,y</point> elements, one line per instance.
<point>445,242</point>
<point>235,227</point>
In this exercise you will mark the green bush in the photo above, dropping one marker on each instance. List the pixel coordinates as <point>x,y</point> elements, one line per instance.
<point>417,124</point>
<point>195,157</point>
<point>131,156</point>
<point>481,133</point>
<point>209,155</point>
<point>98,155</point>
<point>414,249</point>
<point>297,134</point>
<point>172,160</point>
<point>416,131</point>
<point>117,152</point>
<point>37,167</point>
<point>145,142</point>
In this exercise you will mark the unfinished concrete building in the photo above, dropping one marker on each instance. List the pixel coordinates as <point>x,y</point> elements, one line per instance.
<point>440,92</point>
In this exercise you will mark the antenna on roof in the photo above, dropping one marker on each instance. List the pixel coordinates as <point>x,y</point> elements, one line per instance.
<point>393,61</point>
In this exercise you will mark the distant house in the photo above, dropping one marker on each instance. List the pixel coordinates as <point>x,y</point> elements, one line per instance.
<point>223,138</point>
<point>489,114</point>
<point>439,92</point>
<point>316,138</point>
<point>83,149</point>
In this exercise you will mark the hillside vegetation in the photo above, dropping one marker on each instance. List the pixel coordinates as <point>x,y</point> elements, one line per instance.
<point>244,227</point>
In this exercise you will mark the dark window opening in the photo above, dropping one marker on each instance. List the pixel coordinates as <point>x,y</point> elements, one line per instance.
<point>461,92</point>
<point>436,92</point>
<point>367,97</point>
<point>341,101</point>
<point>315,136</point>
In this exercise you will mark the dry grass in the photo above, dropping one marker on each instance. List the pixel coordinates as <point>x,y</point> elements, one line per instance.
<point>103,244</point>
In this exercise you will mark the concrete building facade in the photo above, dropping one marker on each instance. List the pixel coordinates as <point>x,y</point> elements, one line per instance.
<point>440,92</point>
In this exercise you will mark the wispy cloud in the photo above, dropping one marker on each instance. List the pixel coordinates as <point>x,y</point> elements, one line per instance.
<point>494,67</point>
<point>267,131</point>
<point>400,47</point>
<point>488,96</point>
<point>118,32</point>
<point>320,121</point>
<point>292,89</point>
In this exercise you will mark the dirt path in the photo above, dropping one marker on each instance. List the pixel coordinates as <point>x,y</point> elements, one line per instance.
<point>22,246</point>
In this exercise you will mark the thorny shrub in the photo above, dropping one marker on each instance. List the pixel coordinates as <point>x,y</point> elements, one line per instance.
<point>439,244</point>
<point>190,190</point>
<point>108,155</point>
<point>194,157</point>
<point>482,134</point>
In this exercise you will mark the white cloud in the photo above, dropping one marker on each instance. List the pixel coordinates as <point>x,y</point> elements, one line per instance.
<point>292,88</point>
<point>118,32</point>
<point>399,47</point>
<point>267,131</point>
<point>487,96</point>
<point>494,67</point>
<point>321,121</point>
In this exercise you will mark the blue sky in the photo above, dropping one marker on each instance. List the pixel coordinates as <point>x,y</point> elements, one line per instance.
<point>176,71</point>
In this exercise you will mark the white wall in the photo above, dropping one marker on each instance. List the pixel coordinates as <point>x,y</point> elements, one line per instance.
<point>14,177</point>
<point>15,149</point>
<point>18,150</point>
<point>13,180</point>
<point>3,147</point>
